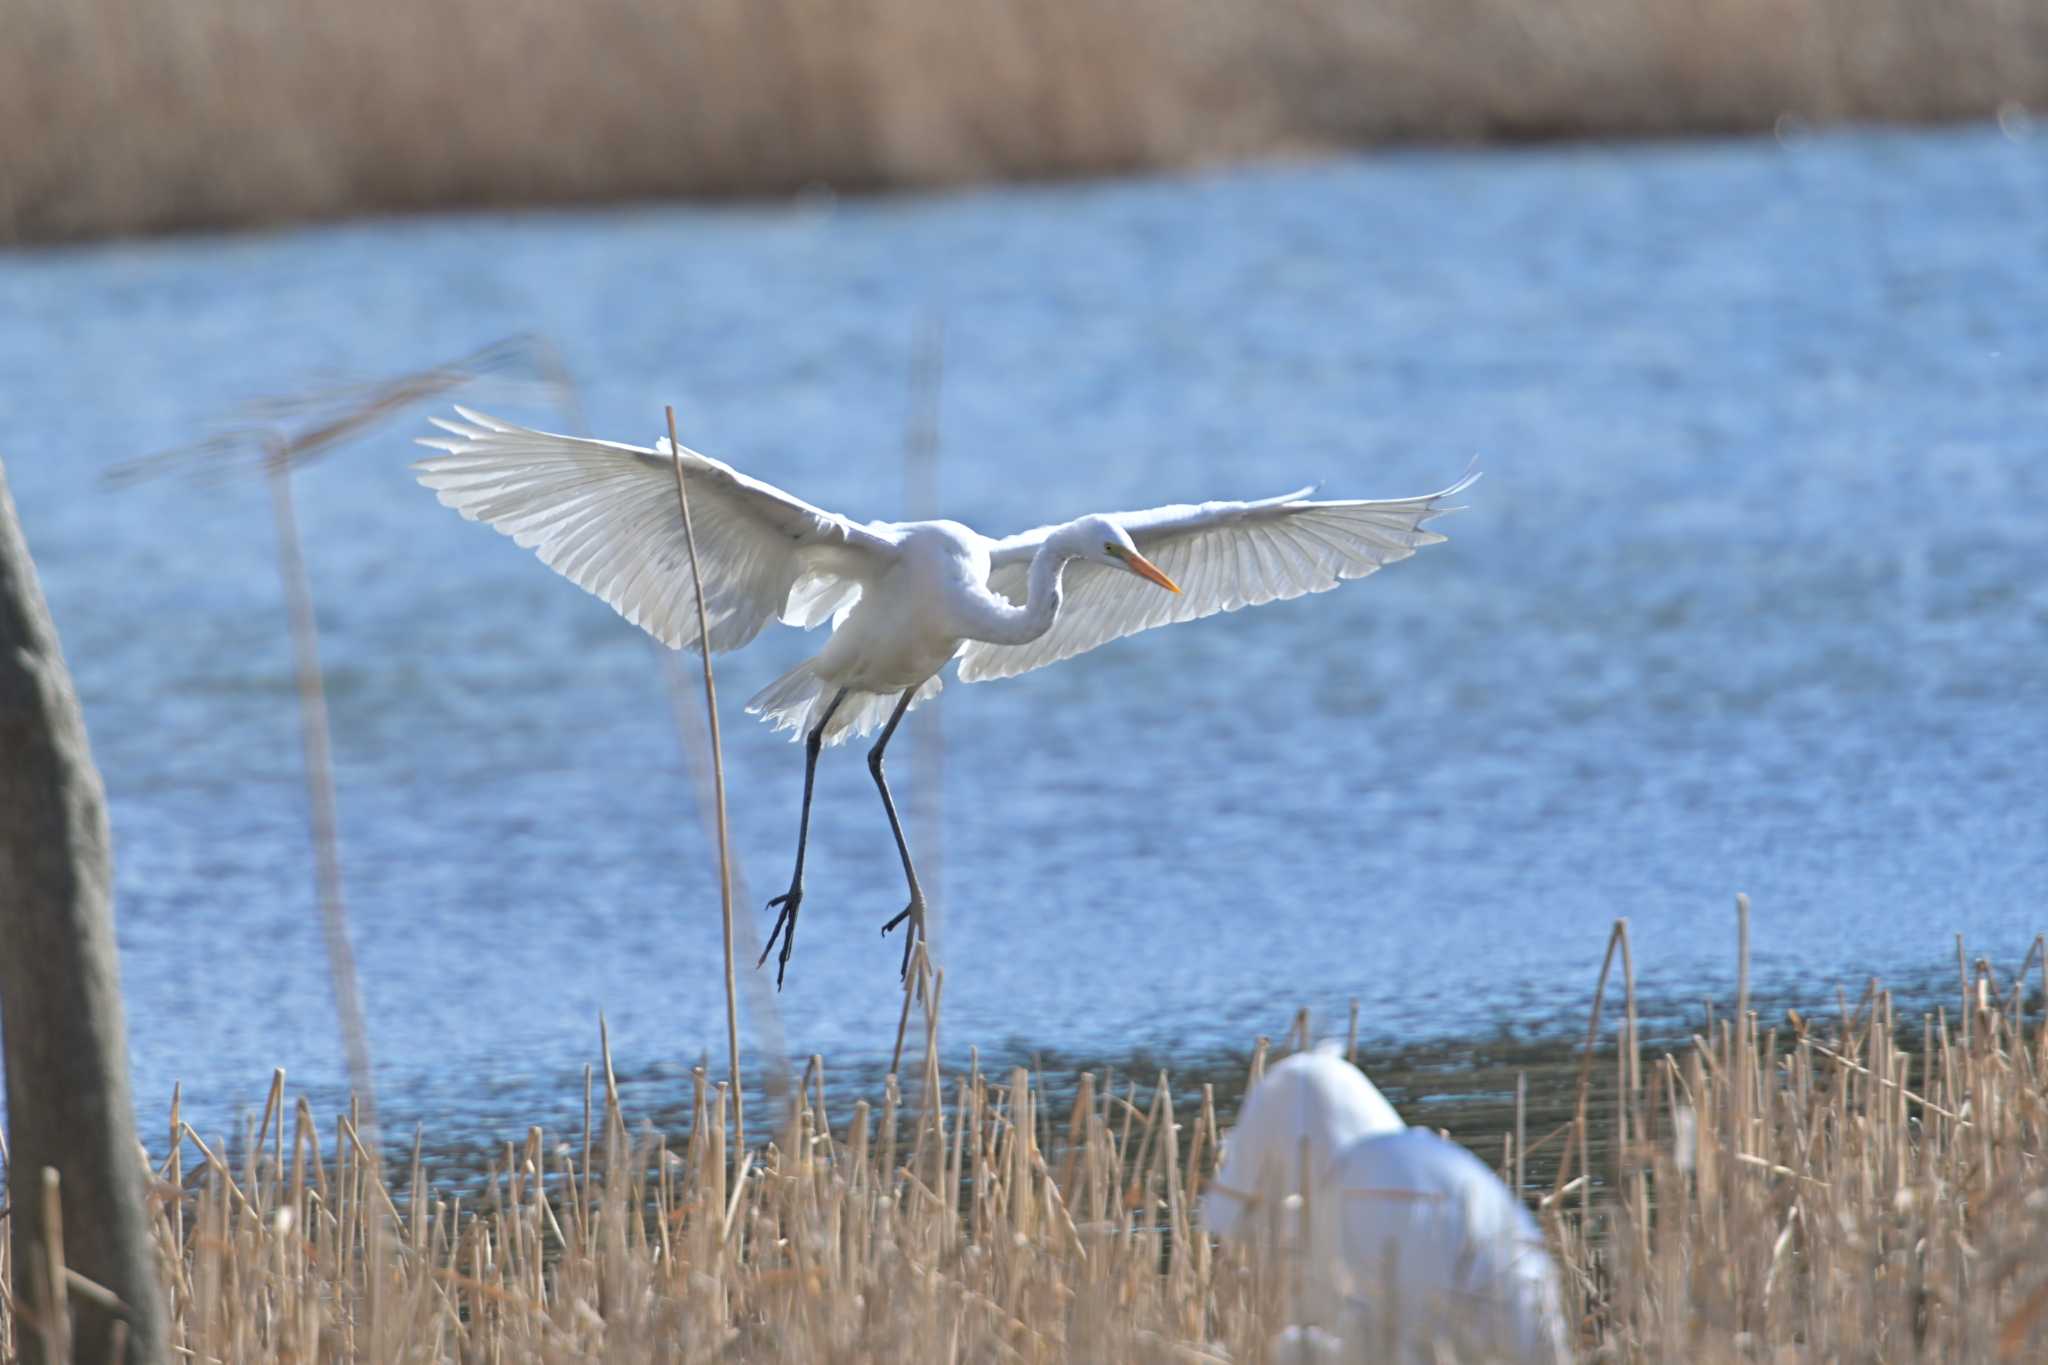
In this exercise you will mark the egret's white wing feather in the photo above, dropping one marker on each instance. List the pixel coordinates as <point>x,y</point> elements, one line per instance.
<point>605,516</point>
<point>1224,555</point>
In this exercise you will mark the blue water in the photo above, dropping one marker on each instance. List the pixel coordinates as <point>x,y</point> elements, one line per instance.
<point>1753,596</point>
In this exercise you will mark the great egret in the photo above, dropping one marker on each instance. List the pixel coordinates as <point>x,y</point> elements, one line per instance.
<point>1406,1241</point>
<point>1292,1124</point>
<point>904,598</point>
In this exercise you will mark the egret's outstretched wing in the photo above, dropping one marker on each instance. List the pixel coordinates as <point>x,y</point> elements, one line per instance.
<point>1224,555</point>
<point>604,516</point>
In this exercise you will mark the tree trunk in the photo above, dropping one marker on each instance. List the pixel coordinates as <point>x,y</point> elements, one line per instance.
<point>68,1106</point>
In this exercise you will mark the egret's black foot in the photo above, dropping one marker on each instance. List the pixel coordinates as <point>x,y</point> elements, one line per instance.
<point>785,928</point>
<point>914,912</point>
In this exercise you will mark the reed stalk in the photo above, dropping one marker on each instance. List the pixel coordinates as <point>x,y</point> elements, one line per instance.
<point>322,807</point>
<point>732,997</point>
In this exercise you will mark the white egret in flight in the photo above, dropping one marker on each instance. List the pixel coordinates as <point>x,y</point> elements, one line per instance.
<point>1407,1243</point>
<point>904,598</point>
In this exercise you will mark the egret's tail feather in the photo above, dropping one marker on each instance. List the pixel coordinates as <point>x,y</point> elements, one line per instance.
<point>794,701</point>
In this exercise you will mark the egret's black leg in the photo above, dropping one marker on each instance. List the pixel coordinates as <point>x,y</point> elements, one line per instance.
<point>914,912</point>
<point>785,921</point>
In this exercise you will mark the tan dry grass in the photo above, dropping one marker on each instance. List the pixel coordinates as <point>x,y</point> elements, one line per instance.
<point>1809,1192</point>
<point>1819,1191</point>
<point>126,116</point>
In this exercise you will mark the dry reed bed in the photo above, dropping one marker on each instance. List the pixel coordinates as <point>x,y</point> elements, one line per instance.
<point>1822,1192</point>
<point>122,116</point>
<point>1804,1192</point>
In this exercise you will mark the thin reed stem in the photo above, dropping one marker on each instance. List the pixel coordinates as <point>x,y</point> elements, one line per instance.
<point>732,995</point>
<point>1741,955</point>
<point>321,803</point>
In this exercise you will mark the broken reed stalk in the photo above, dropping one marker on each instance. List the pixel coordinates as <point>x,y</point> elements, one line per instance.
<point>1576,1142</point>
<point>1741,955</point>
<point>331,417</point>
<point>1521,1132</point>
<point>321,419</point>
<point>50,1277</point>
<point>321,803</point>
<point>732,997</point>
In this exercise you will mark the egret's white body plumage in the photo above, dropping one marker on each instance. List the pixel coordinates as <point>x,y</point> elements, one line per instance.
<point>1404,1239</point>
<point>904,598</point>
<point>1289,1130</point>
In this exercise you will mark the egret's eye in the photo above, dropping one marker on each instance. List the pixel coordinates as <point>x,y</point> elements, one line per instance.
<point>1110,547</point>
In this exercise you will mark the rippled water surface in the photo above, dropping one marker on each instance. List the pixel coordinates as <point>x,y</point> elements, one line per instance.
<point>1753,595</point>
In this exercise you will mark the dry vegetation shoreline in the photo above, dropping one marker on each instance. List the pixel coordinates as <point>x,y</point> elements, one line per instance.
<point>118,116</point>
<point>1811,1191</point>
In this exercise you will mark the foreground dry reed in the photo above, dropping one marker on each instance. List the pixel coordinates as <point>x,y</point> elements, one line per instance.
<point>125,116</point>
<point>1815,1191</point>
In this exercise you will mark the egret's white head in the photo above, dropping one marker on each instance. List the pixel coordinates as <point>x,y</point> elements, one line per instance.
<point>1103,541</point>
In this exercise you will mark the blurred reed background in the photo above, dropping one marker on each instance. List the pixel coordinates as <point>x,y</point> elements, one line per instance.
<point>118,116</point>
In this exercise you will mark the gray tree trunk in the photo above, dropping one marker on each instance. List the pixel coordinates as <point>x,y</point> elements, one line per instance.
<point>68,1106</point>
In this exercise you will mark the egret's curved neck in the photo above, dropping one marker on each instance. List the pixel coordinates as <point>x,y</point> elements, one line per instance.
<point>1009,625</point>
